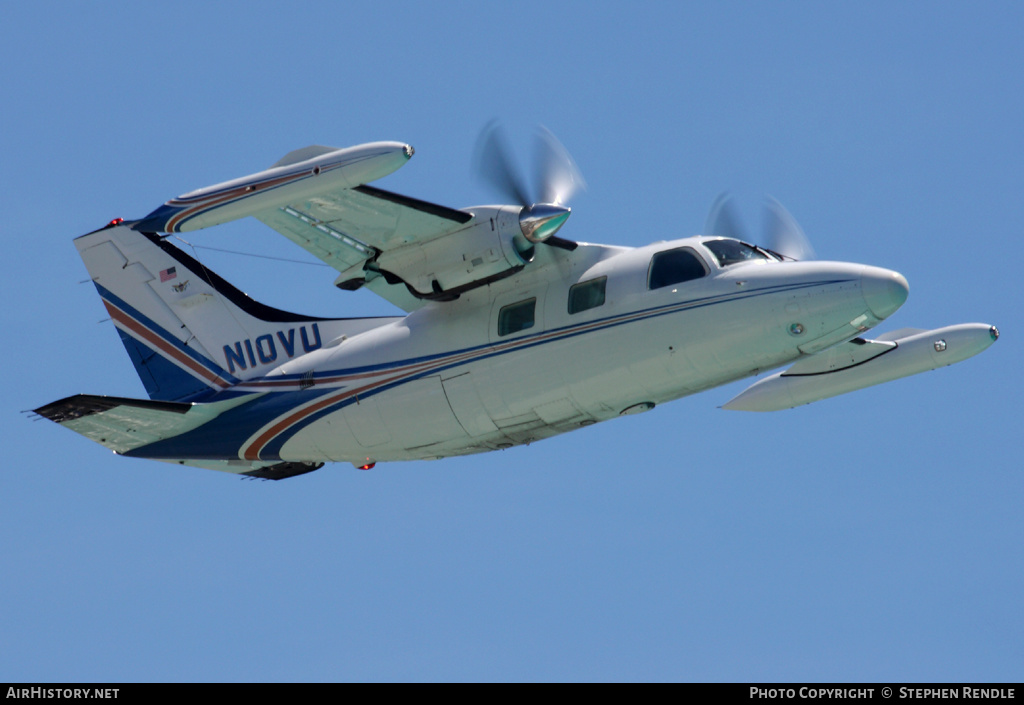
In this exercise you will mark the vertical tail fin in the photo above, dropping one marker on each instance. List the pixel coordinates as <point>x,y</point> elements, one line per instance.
<point>189,333</point>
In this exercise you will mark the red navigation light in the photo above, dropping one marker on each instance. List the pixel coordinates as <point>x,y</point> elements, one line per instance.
<point>115,221</point>
<point>368,466</point>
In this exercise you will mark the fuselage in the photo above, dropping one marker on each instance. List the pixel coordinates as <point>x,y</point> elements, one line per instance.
<point>535,355</point>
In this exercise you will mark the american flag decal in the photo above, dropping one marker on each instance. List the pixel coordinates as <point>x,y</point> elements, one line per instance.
<point>168,274</point>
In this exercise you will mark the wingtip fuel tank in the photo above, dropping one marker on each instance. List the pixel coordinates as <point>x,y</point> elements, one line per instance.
<point>864,363</point>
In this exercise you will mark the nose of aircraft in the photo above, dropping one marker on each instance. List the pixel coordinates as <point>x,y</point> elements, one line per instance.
<point>884,290</point>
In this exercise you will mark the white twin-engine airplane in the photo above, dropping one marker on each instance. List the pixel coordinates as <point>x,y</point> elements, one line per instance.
<point>512,334</point>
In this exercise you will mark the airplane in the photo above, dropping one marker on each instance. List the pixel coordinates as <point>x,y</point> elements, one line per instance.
<point>511,334</point>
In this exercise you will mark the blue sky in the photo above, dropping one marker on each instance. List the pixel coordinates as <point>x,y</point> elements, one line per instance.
<point>876,536</point>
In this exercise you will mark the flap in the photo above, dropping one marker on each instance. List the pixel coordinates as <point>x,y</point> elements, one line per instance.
<point>348,226</point>
<point>324,242</point>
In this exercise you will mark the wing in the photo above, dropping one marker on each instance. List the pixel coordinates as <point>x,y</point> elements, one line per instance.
<point>406,250</point>
<point>350,228</point>
<point>863,363</point>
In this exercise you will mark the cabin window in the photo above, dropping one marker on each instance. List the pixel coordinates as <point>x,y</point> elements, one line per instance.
<point>673,267</point>
<point>587,295</point>
<point>516,317</point>
<point>733,251</point>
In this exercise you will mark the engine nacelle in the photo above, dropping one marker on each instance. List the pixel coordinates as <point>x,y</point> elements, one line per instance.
<point>489,247</point>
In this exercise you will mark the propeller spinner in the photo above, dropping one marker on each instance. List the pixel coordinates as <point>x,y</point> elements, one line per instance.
<point>557,179</point>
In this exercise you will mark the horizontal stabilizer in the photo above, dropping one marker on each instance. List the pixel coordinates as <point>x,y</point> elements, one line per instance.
<point>260,469</point>
<point>123,424</point>
<point>864,363</point>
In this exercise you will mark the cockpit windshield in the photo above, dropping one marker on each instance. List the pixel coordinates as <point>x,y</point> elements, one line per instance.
<point>733,251</point>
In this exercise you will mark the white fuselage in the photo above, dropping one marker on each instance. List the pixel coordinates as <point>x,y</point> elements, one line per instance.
<point>442,381</point>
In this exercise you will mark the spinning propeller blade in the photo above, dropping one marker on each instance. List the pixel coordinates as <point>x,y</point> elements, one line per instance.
<point>781,232</point>
<point>557,175</point>
<point>722,219</point>
<point>784,234</point>
<point>557,179</point>
<point>492,161</point>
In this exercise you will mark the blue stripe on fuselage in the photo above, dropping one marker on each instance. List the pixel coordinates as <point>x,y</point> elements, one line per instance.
<point>166,336</point>
<point>567,331</point>
<point>223,436</point>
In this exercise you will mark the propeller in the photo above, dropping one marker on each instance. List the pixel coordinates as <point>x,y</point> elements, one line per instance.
<point>782,233</point>
<point>556,179</point>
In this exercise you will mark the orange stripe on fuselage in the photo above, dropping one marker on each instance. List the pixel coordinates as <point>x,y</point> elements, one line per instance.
<point>253,450</point>
<point>156,341</point>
